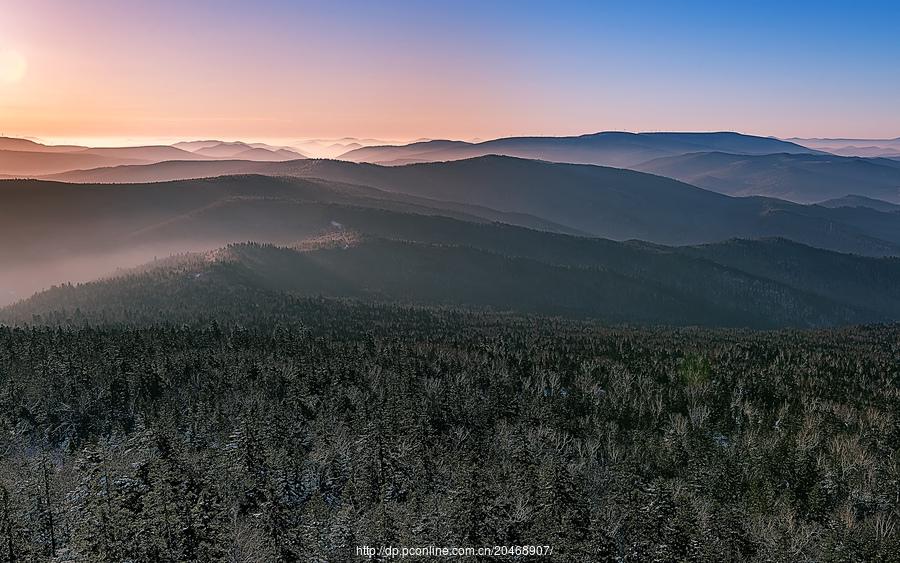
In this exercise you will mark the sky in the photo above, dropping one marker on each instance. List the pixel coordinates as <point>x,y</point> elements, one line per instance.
<point>124,70</point>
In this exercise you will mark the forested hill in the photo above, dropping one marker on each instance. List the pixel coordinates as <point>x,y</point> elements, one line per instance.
<point>373,425</point>
<point>493,267</point>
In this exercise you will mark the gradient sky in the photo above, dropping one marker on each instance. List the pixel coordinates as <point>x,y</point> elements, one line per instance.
<point>280,70</point>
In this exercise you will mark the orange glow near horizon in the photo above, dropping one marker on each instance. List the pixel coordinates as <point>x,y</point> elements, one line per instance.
<point>105,72</point>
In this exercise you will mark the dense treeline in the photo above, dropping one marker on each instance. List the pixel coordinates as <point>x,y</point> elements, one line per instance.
<point>341,425</point>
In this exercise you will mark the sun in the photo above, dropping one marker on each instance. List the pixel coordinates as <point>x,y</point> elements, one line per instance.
<point>12,66</point>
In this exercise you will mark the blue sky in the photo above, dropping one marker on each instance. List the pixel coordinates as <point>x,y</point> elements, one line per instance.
<point>459,69</point>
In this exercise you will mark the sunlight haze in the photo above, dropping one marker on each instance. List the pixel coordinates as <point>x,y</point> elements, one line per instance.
<point>401,70</point>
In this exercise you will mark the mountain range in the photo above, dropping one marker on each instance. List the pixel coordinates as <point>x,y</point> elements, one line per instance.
<point>333,148</point>
<point>600,201</point>
<point>701,228</point>
<point>888,148</point>
<point>729,163</point>
<point>24,158</point>
<point>610,148</point>
<point>56,232</point>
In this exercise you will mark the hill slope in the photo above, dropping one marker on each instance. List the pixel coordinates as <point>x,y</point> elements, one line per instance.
<point>803,178</point>
<point>445,262</point>
<point>861,201</point>
<point>606,202</point>
<point>840,277</point>
<point>52,232</point>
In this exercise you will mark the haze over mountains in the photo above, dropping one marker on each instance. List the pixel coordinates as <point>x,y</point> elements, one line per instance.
<point>239,150</point>
<point>888,148</point>
<point>733,229</point>
<point>305,281</point>
<point>591,200</point>
<point>611,148</point>
<point>599,201</point>
<point>334,148</point>
<point>20,157</point>
<point>439,261</point>
<point>804,178</point>
<point>729,163</point>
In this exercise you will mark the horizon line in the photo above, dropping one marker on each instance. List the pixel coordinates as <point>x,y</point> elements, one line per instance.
<point>110,141</point>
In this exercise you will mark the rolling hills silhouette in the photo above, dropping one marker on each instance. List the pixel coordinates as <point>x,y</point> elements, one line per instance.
<point>610,148</point>
<point>803,178</point>
<point>397,247</point>
<point>599,201</point>
<point>26,158</point>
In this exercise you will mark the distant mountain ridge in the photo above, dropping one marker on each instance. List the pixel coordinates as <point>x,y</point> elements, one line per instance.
<point>239,150</point>
<point>26,158</point>
<point>887,148</point>
<point>610,148</point>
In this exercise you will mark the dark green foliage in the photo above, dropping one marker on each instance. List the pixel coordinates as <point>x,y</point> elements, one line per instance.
<point>300,429</point>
